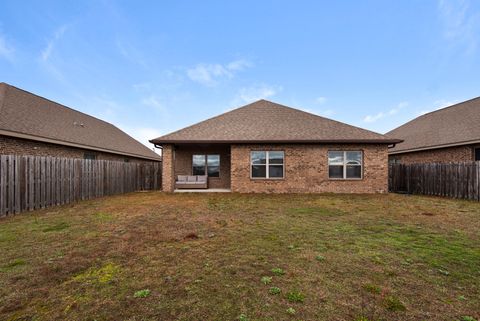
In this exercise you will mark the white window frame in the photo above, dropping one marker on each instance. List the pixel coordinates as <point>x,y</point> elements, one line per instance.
<point>345,166</point>
<point>267,164</point>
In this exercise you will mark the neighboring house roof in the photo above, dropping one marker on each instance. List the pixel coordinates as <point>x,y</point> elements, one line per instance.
<point>25,115</point>
<point>451,126</point>
<point>267,122</point>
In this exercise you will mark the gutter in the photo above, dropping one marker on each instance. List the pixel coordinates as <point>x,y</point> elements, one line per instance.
<point>157,142</point>
<point>470,142</point>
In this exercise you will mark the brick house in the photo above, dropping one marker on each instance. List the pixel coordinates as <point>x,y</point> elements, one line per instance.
<point>33,125</point>
<point>450,134</point>
<point>265,147</point>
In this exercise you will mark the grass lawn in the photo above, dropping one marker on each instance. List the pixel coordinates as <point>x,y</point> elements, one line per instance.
<point>155,256</point>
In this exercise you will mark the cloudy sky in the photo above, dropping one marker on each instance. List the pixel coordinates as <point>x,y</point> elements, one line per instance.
<point>151,67</point>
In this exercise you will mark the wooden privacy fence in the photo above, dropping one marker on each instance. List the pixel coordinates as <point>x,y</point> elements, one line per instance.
<point>33,182</point>
<point>457,180</point>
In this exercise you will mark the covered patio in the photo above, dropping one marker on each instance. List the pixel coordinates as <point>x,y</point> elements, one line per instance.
<point>211,160</point>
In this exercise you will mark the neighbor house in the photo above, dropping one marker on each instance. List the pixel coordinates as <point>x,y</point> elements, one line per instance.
<point>33,125</point>
<point>451,134</point>
<point>267,147</point>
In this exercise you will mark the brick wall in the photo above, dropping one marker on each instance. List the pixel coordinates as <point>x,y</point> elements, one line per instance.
<point>19,146</point>
<point>441,155</point>
<point>306,170</point>
<point>168,175</point>
<point>183,162</point>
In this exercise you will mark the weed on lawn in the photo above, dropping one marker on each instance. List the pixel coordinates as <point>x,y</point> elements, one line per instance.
<point>278,271</point>
<point>295,296</point>
<point>142,293</point>
<point>266,279</point>
<point>274,290</point>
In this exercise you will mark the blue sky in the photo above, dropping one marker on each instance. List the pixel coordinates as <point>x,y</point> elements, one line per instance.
<point>151,67</point>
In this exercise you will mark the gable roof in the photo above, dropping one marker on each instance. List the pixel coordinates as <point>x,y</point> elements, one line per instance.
<point>26,115</point>
<point>267,122</point>
<point>455,125</point>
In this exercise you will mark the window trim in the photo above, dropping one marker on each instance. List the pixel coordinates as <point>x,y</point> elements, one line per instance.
<point>267,166</point>
<point>206,164</point>
<point>345,178</point>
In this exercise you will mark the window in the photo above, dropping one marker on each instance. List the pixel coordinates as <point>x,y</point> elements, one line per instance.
<point>267,164</point>
<point>213,165</point>
<point>477,154</point>
<point>206,165</point>
<point>89,156</point>
<point>198,164</point>
<point>345,164</point>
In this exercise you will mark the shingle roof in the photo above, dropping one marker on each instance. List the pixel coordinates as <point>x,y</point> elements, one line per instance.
<point>25,115</point>
<point>265,121</point>
<point>455,125</point>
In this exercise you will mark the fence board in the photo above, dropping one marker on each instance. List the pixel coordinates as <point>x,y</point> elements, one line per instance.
<point>456,180</point>
<point>33,182</point>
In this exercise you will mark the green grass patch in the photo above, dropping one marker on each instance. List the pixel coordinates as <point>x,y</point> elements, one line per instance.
<point>56,227</point>
<point>392,303</point>
<point>295,296</point>
<point>105,274</point>
<point>13,264</point>
<point>371,288</point>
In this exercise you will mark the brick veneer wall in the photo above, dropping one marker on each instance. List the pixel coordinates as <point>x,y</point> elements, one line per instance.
<point>306,170</point>
<point>183,162</point>
<point>441,155</point>
<point>19,146</point>
<point>168,175</point>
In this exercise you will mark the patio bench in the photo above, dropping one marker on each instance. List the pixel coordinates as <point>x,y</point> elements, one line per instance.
<point>191,181</point>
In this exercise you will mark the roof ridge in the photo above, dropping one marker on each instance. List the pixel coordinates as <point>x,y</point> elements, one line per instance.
<point>118,143</point>
<point>56,103</point>
<point>208,119</point>
<point>329,119</point>
<point>433,112</point>
<point>446,107</point>
<point>260,107</point>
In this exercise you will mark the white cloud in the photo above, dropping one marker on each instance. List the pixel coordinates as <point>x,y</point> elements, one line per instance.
<point>130,53</point>
<point>320,100</point>
<point>438,104</point>
<point>253,93</point>
<point>210,74</point>
<point>47,51</point>
<point>153,101</point>
<point>6,49</point>
<point>380,115</point>
<point>461,24</point>
<point>142,134</point>
<point>239,65</point>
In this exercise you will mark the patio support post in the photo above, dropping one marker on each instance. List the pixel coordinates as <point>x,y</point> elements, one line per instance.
<point>168,172</point>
